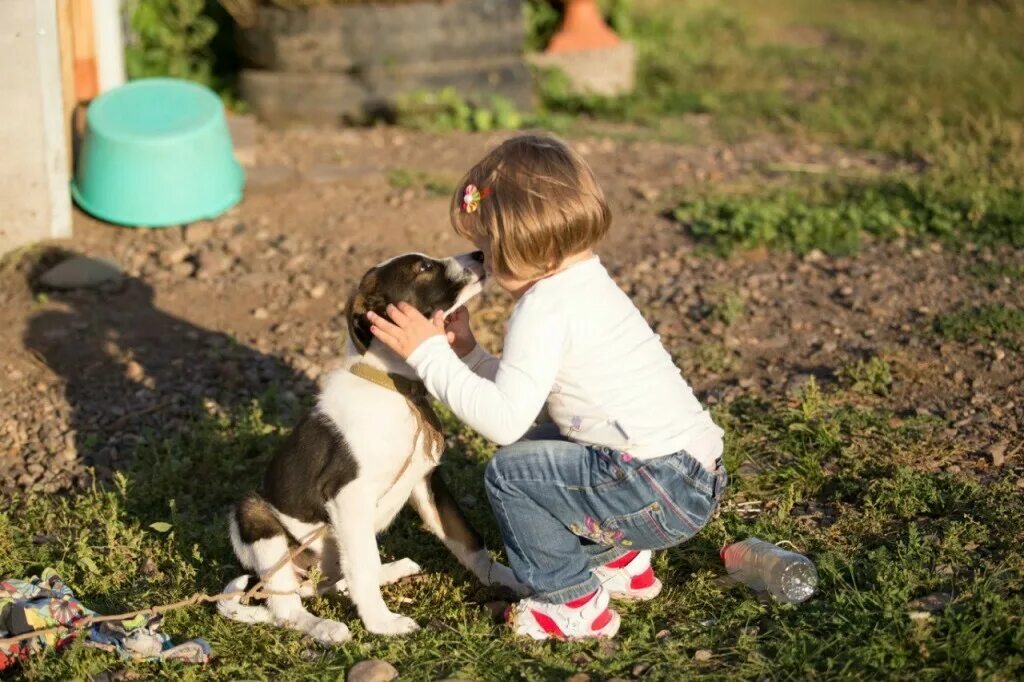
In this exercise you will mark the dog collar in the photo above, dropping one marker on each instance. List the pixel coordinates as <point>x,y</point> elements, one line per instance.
<point>392,382</point>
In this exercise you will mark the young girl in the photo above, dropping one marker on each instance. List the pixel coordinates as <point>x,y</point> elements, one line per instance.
<point>632,462</point>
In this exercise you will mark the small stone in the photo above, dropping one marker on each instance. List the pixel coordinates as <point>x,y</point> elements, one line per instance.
<point>281,327</point>
<point>198,233</point>
<point>318,291</point>
<point>134,371</point>
<point>183,269</point>
<point>81,272</point>
<point>580,658</point>
<point>702,655</point>
<point>260,313</point>
<point>213,263</point>
<point>639,669</point>
<point>997,453</point>
<point>578,677</point>
<point>373,670</point>
<point>174,255</point>
<point>662,634</point>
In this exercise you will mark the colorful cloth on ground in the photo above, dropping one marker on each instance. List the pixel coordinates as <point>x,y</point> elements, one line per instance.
<point>45,602</point>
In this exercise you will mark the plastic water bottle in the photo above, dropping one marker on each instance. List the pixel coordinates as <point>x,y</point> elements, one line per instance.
<point>760,565</point>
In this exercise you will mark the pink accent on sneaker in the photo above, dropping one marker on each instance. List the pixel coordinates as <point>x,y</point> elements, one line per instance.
<point>582,601</point>
<point>622,560</point>
<point>634,579</point>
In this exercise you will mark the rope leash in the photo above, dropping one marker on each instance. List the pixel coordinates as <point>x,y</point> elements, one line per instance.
<point>197,598</point>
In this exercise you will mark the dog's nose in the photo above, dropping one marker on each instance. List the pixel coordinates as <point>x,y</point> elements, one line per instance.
<point>478,256</point>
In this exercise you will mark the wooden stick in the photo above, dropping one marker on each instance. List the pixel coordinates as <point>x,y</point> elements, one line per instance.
<point>67,72</point>
<point>86,77</point>
<point>197,598</point>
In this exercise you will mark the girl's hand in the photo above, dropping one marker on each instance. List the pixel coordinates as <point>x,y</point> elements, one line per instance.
<point>459,333</point>
<point>407,328</point>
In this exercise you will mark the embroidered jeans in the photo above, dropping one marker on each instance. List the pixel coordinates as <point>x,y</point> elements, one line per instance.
<point>564,508</point>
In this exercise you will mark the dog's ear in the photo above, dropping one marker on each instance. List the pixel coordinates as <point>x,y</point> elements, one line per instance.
<point>363,301</point>
<point>358,325</point>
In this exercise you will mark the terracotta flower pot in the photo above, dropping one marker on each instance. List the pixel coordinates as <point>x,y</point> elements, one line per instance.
<point>583,28</point>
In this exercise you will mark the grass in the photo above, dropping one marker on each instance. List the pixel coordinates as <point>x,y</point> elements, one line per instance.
<point>983,323</point>
<point>432,184</point>
<point>840,482</point>
<point>926,82</point>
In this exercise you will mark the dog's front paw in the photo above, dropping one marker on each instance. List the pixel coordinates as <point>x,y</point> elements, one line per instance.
<point>396,570</point>
<point>330,632</point>
<point>392,624</point>
<point>500,574</point>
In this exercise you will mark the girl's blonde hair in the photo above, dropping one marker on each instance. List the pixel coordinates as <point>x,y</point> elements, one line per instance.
<point>540,204</point>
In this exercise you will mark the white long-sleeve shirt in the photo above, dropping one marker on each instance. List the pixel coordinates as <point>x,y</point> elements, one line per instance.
<point>576,341</point>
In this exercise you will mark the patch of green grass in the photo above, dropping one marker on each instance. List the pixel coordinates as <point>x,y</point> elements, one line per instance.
<point>836,480</point>
<point>926,81</point>
<point>873,376</point>
<point>728,307</point>
<point>432,184</point>
<point>446,110</point>
<point>995,273</point>
<point>835,217</point>
<point>715,358</point>
<point>982,323</point>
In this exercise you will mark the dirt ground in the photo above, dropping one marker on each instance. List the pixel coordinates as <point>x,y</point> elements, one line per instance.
<point>213,313</point>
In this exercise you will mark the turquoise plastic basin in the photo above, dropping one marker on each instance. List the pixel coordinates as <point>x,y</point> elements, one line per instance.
<point>157,152</point>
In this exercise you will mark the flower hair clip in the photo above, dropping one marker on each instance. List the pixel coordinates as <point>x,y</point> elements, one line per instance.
<point>472,196</point>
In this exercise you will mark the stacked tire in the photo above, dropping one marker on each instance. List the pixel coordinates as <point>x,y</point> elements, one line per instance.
<point>331,63</point>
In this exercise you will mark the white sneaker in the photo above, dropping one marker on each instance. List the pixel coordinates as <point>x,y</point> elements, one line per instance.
<point>584,618</point>
<point>630,577</point>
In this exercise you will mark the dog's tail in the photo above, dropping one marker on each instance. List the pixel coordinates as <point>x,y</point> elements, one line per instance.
<point>244,613</point>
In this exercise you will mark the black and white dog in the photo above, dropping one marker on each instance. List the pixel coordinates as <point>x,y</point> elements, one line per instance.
<point>351,464</point>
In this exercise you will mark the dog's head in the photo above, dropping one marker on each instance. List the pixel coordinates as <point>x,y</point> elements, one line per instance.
<point>426,283</point>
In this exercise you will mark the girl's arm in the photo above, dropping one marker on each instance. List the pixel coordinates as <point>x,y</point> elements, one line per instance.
<point>501,409</point>
<point>482,363</point>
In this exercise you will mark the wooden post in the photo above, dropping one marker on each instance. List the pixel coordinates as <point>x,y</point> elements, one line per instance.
<point>86,78</point>
<point>67,73</point>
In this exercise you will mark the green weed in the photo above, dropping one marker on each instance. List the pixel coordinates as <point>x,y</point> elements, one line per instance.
<point>446,110</point>
<point>173,39</point>
<point>982,323</point>
<point>996,273</point>
<point>835,217</point>
<point>872,376</point>
<point>433,185</point>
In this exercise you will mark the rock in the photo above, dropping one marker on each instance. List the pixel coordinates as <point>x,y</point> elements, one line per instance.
<point>662,634</point>
<point>318,291</point>
<point>213,263</point>
<point>373,670</point>
<point>702,655</point>
<point>183,269</point>
<point>260,313</point>
<point>198,233</point>
<point>81,272</point>
<point>134,371</point>
<point>580,658</point>
<point>578,677</point>
<point>997,453</point>
<point>608,71</point>
<point>173,256</point>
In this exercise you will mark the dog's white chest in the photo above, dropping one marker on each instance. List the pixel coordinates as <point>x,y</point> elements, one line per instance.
<point>379,429</point>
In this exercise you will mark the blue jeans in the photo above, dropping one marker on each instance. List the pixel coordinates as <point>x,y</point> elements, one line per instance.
<point>564,508</point>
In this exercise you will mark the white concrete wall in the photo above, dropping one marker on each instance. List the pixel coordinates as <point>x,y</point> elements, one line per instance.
<point>35,202</point>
